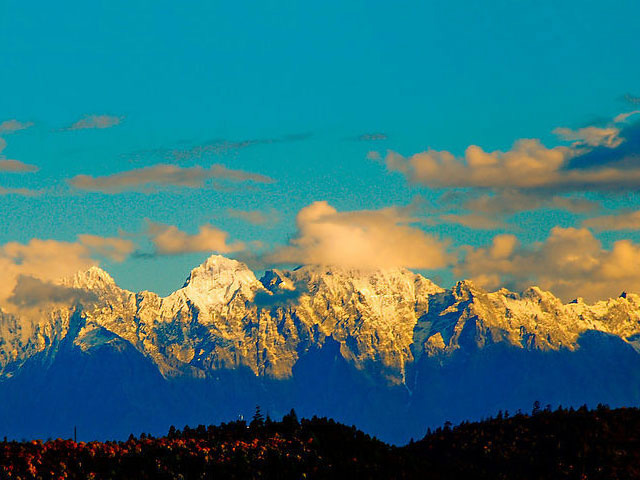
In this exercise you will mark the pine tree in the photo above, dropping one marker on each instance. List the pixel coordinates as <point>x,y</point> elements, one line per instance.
<point>290,422</point>
<point>536,408</point>
<point>258,419</point>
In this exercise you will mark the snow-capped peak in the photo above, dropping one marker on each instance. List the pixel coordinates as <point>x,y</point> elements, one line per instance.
<point>217,280</point>
<point>93,278</point>
<point>212,268</point>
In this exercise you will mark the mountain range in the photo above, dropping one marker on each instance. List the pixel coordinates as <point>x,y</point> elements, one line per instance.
<point>386,350</point>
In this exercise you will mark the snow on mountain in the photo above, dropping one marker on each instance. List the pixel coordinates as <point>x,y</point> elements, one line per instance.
<point>371,314</point>
<point>92,279</point>
<point>469,317</point>
<point>383,320</point>
<point>218,285</point>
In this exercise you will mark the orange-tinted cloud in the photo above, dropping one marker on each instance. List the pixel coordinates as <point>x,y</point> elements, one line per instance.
<point>620,221</point>
<point>360,239</point>
<point>169,240</point>
<point>591,136</point>
<point>162,175</point>
<point>52,260</point>
<point>528,165</point>
<point>622,117</point>
<point>571,263</point>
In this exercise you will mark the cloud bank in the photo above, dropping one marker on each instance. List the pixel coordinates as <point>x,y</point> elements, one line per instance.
<point>529,165</point>
<point>571,263</point>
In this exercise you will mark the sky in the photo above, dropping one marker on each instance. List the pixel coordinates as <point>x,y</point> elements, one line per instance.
<point>494,141</point>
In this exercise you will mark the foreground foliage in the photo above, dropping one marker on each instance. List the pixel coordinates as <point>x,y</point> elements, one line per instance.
<point>581,444</point>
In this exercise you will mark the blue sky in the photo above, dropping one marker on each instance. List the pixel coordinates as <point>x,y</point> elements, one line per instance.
<point>302,94</point>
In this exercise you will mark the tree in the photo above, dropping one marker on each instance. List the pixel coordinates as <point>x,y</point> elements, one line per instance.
<point>258,419</point>
<point>536,408</point>
<point>290,422</point>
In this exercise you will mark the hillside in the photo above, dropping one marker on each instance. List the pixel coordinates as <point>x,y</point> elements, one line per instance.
<point>564,444</point>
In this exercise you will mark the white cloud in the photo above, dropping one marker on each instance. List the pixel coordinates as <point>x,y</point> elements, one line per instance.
<point>169,240</point>
<point>360,239</point>
<point>529,164</point>
<point>571,263</point>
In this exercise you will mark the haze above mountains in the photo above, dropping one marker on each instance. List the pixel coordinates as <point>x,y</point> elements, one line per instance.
<point>387,350</point>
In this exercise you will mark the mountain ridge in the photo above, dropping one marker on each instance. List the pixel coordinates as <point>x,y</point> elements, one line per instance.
<point>388,350</point>
<point>387,317</point>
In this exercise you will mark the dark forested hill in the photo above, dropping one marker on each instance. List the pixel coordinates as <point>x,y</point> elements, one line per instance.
<point>572,444</point>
